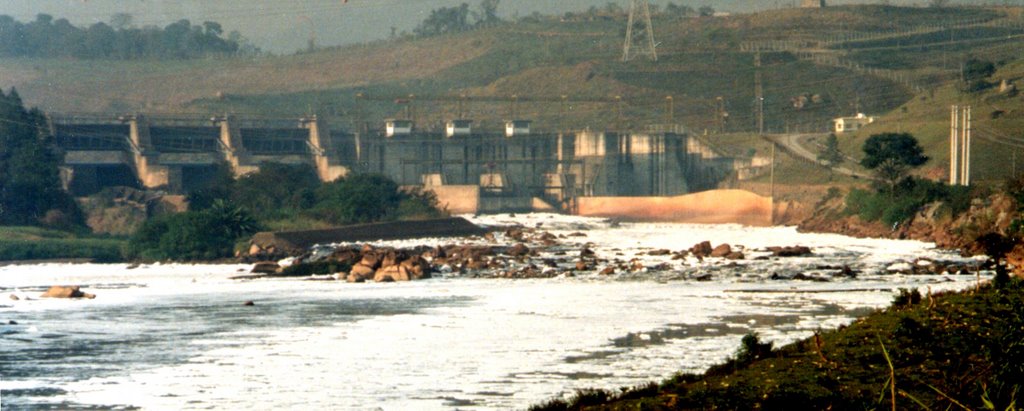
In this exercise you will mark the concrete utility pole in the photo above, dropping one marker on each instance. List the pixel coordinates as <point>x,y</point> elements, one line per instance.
<point>960,146</point>
<point>758,93</point>
<point>639,42</point>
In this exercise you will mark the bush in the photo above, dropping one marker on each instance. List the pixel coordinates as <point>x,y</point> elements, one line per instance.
<point>751,348</point>
<point>193,235</point>
<point>910,195</point>
<point>361,198</point>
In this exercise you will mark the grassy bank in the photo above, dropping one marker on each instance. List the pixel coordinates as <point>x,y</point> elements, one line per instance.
<point>954,351</point>
<point>33,243</point>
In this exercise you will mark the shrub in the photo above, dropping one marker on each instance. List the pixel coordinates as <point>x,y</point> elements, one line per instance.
<point>906,298</point>
<point>751,348</point>
<point>193,235</point>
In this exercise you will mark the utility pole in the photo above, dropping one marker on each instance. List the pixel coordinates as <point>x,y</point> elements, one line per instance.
<point>639,32</point>
<point>960,146</point>
<point>670,114</point>
<point>758,93</point>
<point>771,188</point>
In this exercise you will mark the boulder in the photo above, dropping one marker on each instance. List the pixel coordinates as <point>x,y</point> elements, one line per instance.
<point>721,251</point>
<point>255,249</point>
<point>394,273</point>
<point>609,270</point>
<point>582,266</point>
<point>60,291</point>
<point>794,251</point>
<point>355,278</point>
<point>659,252</point>
<point>371,259</point>
<point>14,297</point>
<point>519,250</point>
<point>266,267</point>
<point>362,271</point>
<point>735,255</point>
<point>702,249</point>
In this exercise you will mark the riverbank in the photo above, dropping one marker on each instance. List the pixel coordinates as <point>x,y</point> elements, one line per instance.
<point>955,350</point>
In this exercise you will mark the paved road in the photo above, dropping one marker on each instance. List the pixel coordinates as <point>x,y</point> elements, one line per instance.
<point>800,145</point>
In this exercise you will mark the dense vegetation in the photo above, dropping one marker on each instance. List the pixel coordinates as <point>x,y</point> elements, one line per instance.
<point>30,188</point>
<point>953,351</point>
<point>279,196</point>
<point>897,196</point>
<point>46,37</point>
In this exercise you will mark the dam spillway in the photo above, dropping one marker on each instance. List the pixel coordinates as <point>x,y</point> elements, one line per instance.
<point>470,170</point>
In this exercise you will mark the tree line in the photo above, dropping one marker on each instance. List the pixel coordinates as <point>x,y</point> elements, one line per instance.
<point>46,37</point>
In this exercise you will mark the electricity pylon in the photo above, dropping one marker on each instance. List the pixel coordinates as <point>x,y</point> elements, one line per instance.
<point>639,32</point>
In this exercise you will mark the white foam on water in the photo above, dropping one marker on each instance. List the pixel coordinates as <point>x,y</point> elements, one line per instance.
<point>443,343</point>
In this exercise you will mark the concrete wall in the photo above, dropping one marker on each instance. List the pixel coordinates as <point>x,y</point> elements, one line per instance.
<point>706,207</point>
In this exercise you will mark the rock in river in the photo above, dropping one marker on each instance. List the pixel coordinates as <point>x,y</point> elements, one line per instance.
<point>66,291</point>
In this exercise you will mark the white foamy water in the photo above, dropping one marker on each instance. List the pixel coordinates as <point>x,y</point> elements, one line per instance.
<point>179,337</point>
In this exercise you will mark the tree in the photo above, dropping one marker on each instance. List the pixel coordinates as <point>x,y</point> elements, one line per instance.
<point>891,156</point>
<point>830,154</point>
<point>30,187</point>
<point>488,13</point>
<point>121,21</point>
<point>445,20</point>
<point>361,198</point>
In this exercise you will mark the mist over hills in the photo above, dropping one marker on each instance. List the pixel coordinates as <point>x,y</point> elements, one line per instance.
<point>284,27</point>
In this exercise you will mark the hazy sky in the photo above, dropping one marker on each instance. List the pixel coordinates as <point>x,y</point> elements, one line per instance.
<point>286,25</point>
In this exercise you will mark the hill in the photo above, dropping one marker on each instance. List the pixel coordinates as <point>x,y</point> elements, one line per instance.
<point>815,64</point>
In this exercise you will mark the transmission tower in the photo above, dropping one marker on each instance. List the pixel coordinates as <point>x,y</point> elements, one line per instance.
<point>639,32</point>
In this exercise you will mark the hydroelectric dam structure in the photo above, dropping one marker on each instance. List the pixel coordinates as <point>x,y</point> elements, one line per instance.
<point>509,168</point>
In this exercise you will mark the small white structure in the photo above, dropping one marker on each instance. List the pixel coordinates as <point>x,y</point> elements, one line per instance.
<point>394,127</point>
<point>432,180</point>
<point>517,128</point>
<point>454,128</point>
<point>850,124</point>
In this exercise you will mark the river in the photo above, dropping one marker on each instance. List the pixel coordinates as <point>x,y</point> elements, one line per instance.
<point>179,337</point>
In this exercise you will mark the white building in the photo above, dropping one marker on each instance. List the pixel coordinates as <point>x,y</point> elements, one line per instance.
<point>397,127</point>
<point>517,128</point>
<point>454,128</point>
<point>851,124</point>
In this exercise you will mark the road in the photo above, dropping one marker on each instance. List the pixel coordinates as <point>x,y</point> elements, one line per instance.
<point>798,144</point>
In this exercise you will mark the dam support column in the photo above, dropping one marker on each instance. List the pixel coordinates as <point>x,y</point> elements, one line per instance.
<point>145,158</point>
<point>324,157</point>
<point>233,149</point>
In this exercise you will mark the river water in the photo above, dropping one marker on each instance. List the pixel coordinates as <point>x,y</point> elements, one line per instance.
<point>179,337</point>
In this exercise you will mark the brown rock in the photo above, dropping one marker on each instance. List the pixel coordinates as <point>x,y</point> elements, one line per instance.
<point>355,278</point>
<point>371,259</point>
<point>394,273</point>
<point>702,249</point>
<point>265,267</point>
<point>59,291</point>
<point>659,252</point>
<point>14,297</point>
<point>582,266</point>
<point>721,251</point>
<point>735,255</point>
<point>255,249</point>
<point>795,251</point>
<point>362,271</point>
<point>249,303</point>
<point>609,270</point>
<point>518,250</point>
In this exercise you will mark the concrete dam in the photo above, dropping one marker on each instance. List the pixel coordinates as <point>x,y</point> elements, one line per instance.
<point>469,170</point>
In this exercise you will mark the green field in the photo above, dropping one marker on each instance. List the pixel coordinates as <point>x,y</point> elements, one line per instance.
<point>34,243</point>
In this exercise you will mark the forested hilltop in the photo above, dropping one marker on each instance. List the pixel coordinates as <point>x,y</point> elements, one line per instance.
<point>46,37</point>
